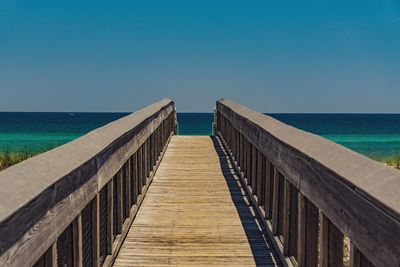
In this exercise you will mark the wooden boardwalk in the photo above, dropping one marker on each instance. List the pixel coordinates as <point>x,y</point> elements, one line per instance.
<point>196,213</point>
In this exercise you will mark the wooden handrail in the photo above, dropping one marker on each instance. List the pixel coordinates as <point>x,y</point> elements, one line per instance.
<point>75,203</point>
<point>313,192</point>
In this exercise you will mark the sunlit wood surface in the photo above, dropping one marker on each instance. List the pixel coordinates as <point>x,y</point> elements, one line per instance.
<point>196,213</point>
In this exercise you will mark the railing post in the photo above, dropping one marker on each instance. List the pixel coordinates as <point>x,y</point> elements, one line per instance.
<point>77,241</point>
<point>260,178</point>
<point>286,218</point>
<point>96,230</point>
<point>275,204</point>
<point>269,185</point>
<point>128,187</point>
<point>110,212</point>
<point>119,205</point>
<point>254,171</point>
<point>139,170</point>
<point>308,223</point>
<point>331,248</point>
<point>248,161</point>
<point>357,259</point>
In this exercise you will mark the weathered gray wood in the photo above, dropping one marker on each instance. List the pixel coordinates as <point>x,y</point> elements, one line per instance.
<point>110,206</point>
<point>139,170</point>
<point>269,183</point>
<point>42,195</point>
<point>293,223</point>
<point>96,230</point>
<point>254,171</point>
<point>135,179</point>
<point>33,244</point>
<point>49,259</point>
<point>277,242</point>
<point>77,241</point>
<point>308,224</point>
<point>119,205</point>
<point>331,247</point>
<point>197,231</point>
<point>260,178</point>
<point>357,259</point>
<point>301,240</point>
<point>275,202</point>
<point>128,186</point>
<point>51,256</point>
<point>360,196</point>
<point>32,190</point>
<point>286,218</point>
<point>117,245</point>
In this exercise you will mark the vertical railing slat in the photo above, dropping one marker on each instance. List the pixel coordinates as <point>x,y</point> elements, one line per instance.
<point>331,246</point>
<point>119,205</point>
<point>357,259</point>
<point>269,190</point>
<point>77,241</point>
<point>128,187</point>
<point>308,221</point>
<point>286,218</point>
<point>254,171</point>
<point>260,178</point>
<point>96,230</point>
<point>275,204</point>
<point>110,212</point>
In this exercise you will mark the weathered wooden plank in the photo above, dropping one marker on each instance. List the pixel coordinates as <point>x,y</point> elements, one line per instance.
<point>286,218</point>
<point>182,216</point>
<point>331,247</point>
<point>358,195</point>
<point>260,178</point>
<point>293,224</point>
<point>357,259</point>
<point>128,187</point>
<point>77,241</point>
<point>110,222</point>
<point>120,238</point>
<point>65,250</point>
<point>308,221</point>
<point>269,185</point>
<point>54,179</point>
<point>275,202</point>
<point>254,170</point>
<point>96,230</point>
<point>119,205</point>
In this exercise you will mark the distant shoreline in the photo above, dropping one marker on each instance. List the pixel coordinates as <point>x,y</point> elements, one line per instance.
<point>22,135</point>
<point>9,158</point>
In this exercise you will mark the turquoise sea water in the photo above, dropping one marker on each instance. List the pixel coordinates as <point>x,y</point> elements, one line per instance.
<point>39,131</point>
<point>375,135</point>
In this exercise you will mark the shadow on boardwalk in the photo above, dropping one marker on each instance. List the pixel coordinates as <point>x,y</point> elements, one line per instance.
<point>261,246</point>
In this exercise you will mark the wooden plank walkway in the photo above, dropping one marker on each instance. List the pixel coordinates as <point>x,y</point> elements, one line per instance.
<point>196,213</point>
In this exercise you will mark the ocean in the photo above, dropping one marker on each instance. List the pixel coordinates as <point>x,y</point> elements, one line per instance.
<point>374,135</point>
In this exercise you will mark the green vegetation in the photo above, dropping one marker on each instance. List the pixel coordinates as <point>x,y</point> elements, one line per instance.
<point>8,158</point>
<point>390,161</point>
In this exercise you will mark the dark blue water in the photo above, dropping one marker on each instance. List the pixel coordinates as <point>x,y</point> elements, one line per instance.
<point>375,135</point>
<point>39,131</point>
<point>195,123</point>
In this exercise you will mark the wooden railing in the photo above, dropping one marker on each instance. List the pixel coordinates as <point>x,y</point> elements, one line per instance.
<point>312,193</point>
<point>73,205</point>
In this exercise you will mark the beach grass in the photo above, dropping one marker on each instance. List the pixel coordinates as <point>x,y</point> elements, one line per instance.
<point>393,161</point>
<point>9,158</point>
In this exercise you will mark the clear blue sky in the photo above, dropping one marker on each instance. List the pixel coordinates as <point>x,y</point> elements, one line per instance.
<point>273,56</point>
